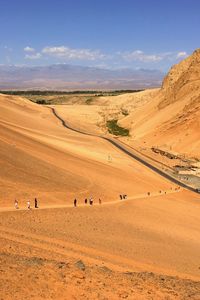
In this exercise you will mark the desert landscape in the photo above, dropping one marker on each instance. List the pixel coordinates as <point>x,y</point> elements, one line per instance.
<point>145,245</point>
<point>163,124</point>
<point>99,150</point>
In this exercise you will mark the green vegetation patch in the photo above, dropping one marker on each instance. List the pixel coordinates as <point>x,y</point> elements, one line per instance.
<point>41,101</point>
<point>56,93</point>
<point>115,129</point>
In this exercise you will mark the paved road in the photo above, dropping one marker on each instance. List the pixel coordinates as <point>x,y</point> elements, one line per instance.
<point>121,147</point>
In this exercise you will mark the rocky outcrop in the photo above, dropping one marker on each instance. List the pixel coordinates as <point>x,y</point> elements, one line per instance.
<point>183,79</point>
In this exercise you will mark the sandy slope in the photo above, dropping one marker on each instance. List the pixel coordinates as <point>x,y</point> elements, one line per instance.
<point>40,157</point>
<point>144,248</point>
<point>136,233</point>
<point>138,249</point>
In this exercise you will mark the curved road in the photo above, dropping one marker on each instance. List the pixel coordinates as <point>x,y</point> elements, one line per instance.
<point>123,148</point>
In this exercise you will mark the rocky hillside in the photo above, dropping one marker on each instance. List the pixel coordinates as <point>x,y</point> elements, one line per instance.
<point>171,119</point>
<point>182,80</point>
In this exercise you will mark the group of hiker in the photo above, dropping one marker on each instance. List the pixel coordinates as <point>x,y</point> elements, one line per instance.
<point>89,201</point>
<point>28,204</point>
<point>122,196</point>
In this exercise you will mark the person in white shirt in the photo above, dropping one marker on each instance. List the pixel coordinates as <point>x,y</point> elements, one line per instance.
<point>29,204</point>
<point>16,204</point>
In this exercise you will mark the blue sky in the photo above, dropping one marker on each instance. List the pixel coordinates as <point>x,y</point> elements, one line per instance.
<point>150,34</point>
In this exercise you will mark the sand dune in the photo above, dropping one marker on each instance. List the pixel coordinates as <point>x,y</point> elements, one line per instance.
<point>41,158</point>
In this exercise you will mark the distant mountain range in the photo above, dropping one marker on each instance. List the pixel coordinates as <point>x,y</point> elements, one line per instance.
<point>70,77</point>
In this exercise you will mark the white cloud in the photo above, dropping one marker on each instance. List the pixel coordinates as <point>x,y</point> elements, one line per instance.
<point>139,55</point>
<point>181,54</point>
<point>69,53</point>
<point>33,56</point>
<point>29,49</point>
<point>135,57</point>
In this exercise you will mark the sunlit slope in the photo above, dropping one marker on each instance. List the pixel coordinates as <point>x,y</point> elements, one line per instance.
<point>39,157</point>
<point>172,117</point>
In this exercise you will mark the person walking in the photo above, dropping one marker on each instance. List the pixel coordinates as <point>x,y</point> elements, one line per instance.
<point>29,204</point>
<point>16,204</point>
<point>99,201</point>
<point>91,201</point>
<point>36,203</point>
<point>86,201</point>
<point>75,202</point>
